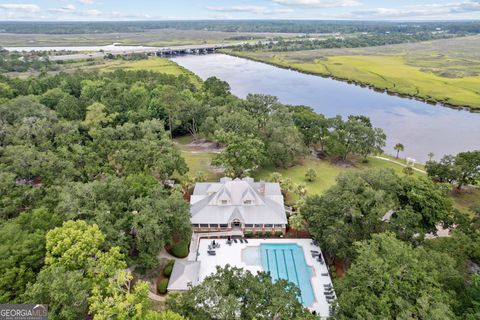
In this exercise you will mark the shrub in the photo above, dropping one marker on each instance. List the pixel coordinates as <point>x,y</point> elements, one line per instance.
<point>145,262</point>
<point>162,285</point>
<point>167,271</point>
<point>259,234</point>
<point>248,234</point>
<point>311,175</point>
<point>408,171</point>
<point>268,234</point>
<point>180,249</point>
<point>278,233</point>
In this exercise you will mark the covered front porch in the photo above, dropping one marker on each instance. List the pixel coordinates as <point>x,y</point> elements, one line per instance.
<point>238,225</point>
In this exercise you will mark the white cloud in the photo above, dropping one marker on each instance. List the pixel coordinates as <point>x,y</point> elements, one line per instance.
<point>250,9</point>
<point>318,3</point>
<point>86,1</point>
<point>69,8</point>
<point>92,12</point>
<point>20,7</point>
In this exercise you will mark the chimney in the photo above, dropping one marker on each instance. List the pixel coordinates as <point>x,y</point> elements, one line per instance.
<point>262,187</point>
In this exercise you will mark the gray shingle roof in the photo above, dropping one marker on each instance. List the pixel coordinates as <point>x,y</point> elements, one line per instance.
<point>266,207</point>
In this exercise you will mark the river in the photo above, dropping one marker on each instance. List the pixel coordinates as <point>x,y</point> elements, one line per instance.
<point>421,127</point>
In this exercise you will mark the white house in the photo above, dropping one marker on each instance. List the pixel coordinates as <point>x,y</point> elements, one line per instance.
<point>240,204</point>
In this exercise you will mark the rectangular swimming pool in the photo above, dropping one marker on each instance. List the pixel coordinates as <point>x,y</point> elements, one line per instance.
<point>287,261</point>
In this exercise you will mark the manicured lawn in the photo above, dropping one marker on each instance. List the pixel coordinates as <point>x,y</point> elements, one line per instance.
<point>200,162</point>
<point>197,160</point>
<point>465,200</point>
<point>326,172</point>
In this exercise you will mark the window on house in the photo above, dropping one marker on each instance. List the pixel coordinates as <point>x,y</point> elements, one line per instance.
<point>248,225</point>
<point>279,226</point>
<point>213,225</point>
<point>203,225</point>
<point>224,202</point>
<point>268,225</point>
<point>258,225</point>
<point>223,225</point>
<point>247,202</point>
<point>195,225</point>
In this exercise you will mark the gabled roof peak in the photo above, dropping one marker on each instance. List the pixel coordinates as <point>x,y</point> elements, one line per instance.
<point>235,192</point>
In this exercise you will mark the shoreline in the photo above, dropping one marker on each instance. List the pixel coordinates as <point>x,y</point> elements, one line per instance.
<point>432,101</point>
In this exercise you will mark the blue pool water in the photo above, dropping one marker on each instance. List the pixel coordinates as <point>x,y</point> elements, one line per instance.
<point>287,261</point>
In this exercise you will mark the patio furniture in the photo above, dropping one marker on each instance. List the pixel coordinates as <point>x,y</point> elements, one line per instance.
<point>229,242</point>
<point>246,241</point>
<point>241,240</point>
<point>235,240</point>
<point>212,252</point>
<point>314,251</point>
<point>325,275</point>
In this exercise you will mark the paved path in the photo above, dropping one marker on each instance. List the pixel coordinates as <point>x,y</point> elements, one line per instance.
<point>399,163</point>
<point>156,297</point>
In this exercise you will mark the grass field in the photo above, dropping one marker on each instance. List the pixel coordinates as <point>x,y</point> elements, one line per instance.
<point>326,171</point>
<point>446,71</point>
<point>152,64</point>
<point>158,37</point>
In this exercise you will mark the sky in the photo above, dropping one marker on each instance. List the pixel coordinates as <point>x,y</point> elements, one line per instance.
<point>245,9</point>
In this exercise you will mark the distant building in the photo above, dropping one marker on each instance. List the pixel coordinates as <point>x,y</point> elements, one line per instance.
<point>239,204</point>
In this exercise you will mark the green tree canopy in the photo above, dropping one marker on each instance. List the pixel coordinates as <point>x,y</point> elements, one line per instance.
<point>240,153</point>
<point>355,208</point>
<point>232,293</point>
<point>462,169</point>
<point>392,280</point>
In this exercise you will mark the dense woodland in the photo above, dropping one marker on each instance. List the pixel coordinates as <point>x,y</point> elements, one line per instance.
<point>39,61</point>
<point>288,26</point>
<point>86,165</point>
<point>358,41</point>
<point>22,62</point>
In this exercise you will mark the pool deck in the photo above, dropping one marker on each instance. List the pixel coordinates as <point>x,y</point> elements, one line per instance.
<point>232,255</point>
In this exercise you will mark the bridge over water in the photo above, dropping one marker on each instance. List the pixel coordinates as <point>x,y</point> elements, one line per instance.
<point>100,52</point>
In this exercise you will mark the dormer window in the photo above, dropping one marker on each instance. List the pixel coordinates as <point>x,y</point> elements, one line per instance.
<point>247,202</point>
<point>224,202</point>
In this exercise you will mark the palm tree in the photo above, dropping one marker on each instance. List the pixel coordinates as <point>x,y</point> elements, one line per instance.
<point>275,177</point>
<point>297,222</point>
<point>399,147</point>
<point>430,156</point>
